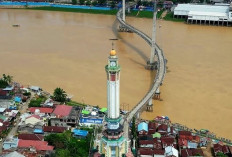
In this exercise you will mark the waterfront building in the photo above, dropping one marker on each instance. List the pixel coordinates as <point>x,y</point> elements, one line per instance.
<point>204,14</point>
<point>113,143</point>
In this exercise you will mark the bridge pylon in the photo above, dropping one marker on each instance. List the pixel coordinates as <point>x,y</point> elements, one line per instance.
<point>152,64</point>
<point>150,106</point>
<point>157,94</point>
<point>122,28</point>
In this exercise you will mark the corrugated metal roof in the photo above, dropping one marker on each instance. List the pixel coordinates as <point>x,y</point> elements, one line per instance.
<point>143,126</point>
<point>207,13</point>
<point>202,8</point>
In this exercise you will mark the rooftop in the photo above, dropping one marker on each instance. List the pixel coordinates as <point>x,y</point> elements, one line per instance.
<point>62,110</point>
<point>41,109</point>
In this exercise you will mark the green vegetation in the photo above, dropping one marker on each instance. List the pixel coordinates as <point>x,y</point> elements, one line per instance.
<point>37,102</point>
<point>159,13</point>
<point>59,95</point>
<point>74,103</point>
<point>91,11</point>
<point>5,81</point>
<point>68,146</point>
<point>74,2</point>
<point>220,154</point>
<point>141,14</point>
<point>169,17</point>
<point>27,94</point>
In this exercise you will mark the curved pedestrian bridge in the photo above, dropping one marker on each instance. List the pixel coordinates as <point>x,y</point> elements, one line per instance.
<point>161,70</point>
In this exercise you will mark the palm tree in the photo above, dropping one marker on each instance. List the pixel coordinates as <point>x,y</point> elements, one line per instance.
<point>7,78</point>
<point>59,95</point>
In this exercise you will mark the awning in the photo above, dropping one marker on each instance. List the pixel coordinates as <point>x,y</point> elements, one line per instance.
<point>104,109</point>
<point>156,135</point>
<point>38,131</point>
<point>85,112</point>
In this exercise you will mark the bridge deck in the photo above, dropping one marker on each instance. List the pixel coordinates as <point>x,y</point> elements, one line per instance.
<point>161,70</point>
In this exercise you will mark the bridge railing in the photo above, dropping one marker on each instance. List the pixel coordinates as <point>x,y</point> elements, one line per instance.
<point>161,70</point>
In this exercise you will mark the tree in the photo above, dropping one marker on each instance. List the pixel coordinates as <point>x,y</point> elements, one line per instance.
<point>7,78</point>
<point>59,95</point>
<point>112,4</point>
<point>82,2</point>
<point>74,1</point>
<point>101,2</point>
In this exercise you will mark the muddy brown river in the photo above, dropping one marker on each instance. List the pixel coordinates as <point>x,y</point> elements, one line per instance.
<point>70,50</point>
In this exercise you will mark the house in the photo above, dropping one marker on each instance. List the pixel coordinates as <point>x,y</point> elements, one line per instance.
<point>162,129</point>
<point>31,124</point>
<point>159,153</point>
<point>43,110</point>
<point>157,143</point>
<point>171,152</point>
<point>34,137</point>
<point>54,129</point>
<point>64,115</point>
<point>167,141</point>
<point>35,89</point>
<point>146,143</point>
<point>13,154</point>
<point>37,145</point>
<point>2,110</point>
<point>79,133</point>
<point>143,128</point>
<point>187,135</point>
<point>151,127</point>
<point>10,143</point>
<point>191,152</point>
<point>145,152</point>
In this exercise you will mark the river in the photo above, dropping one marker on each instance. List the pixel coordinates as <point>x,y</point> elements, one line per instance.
<point>70,50</point>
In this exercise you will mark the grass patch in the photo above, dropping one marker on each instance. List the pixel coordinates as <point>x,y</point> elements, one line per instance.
<point>159,13</point>
<point>141,14</point>
<point>74,103</point>
<point>169,17</point>
<point>91,11</point>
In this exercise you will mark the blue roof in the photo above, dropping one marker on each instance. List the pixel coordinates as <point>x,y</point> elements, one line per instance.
<point>143,126</point>
<point>38,131</point>
<point>17,99</point>
<point>78,132</point>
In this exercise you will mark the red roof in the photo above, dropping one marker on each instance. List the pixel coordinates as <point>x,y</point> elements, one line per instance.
<point>167,140</point>
<point>217,148</point>
<point>159,151</point>
<point>39,145</point>
<point>62,110</point>
<point>182,142</point>
<point>157,144</point>
<point>186,133</point>
<point>144,142</point>
<point>41,109</point>
<point>56,129</point>
<point>3,93</point>
<point>162,128</point>
<point>191,152</point>
<point>31,137</point>
<point>35,116</point>
<point>225,149</point>
<point>145,151</point>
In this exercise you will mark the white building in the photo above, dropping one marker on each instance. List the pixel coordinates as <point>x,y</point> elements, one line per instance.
<point>207,14</point>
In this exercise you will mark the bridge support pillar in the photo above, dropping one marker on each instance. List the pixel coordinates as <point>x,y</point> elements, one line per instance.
<point>151,64</point>
<point>150,106</point>
<point>138,115</point>
<point>157,94</point>
<point>122,28</point>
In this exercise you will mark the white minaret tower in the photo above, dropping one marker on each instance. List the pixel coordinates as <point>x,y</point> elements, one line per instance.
<point>113,89</point>
<point>113,143</point>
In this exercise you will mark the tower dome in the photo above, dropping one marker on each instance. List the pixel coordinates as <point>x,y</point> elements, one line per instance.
<point>112,52</point>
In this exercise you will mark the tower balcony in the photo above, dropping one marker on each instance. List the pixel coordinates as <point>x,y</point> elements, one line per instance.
<point>112,136</point>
